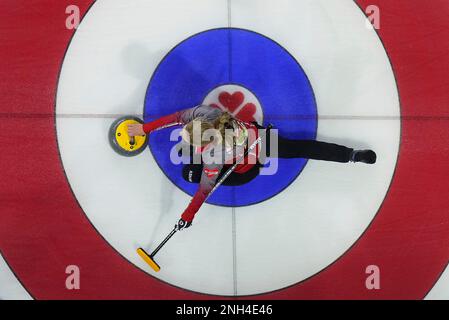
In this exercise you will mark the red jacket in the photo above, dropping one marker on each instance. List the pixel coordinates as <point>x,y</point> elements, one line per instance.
<point>210,170</point>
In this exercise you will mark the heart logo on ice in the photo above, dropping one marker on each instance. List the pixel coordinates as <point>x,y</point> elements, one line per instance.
<point>247,113</point>
<point>231,101</point>
<point>240,102</point>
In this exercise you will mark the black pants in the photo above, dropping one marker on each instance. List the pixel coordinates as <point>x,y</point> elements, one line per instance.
<point>287,149</point>
<point>311,149</point>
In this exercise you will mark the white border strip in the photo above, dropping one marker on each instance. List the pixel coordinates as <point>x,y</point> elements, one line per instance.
<point>10,287</point>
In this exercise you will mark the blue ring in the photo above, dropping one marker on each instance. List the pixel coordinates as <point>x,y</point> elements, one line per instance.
<point>233,56</point>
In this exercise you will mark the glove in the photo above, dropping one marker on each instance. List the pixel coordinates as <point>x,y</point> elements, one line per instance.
<point>182,224</point>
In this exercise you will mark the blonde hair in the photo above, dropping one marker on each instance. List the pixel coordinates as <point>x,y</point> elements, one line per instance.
<point>200,132</point>
<point>225,125</point>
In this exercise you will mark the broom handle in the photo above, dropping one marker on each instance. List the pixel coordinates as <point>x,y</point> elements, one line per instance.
<point>228,172</point>
<point>159,247</point>
<point>231,169</point>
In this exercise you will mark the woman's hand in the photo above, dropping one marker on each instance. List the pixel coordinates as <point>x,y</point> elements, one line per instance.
<point>135,129</point>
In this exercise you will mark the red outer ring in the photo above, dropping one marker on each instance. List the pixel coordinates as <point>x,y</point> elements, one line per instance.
<point>43,229</point>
